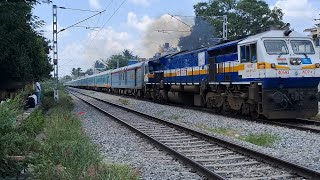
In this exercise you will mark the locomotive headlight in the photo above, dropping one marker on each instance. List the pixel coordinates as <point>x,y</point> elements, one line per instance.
<point>273,65</point>
<point>317,65</point>
<point>293,61</point>
<point>299,61</point>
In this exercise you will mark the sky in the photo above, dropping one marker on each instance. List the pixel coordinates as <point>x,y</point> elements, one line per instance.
<point>135,26</point>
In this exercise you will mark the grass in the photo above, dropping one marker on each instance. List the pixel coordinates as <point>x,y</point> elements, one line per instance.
<point>160,113</point>
<point>174,117</point>
<point>124,101</point>
<point>264,139</point>
<point>15,140</point>
<point>224,131</point>
<point>67,153</point>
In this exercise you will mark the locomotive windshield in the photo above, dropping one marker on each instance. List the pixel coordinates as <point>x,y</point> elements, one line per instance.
<point>302,47</point>
<point>276,47</point>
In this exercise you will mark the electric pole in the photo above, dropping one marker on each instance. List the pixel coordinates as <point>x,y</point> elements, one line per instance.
<point>225,27</point>
<point>55,52</point>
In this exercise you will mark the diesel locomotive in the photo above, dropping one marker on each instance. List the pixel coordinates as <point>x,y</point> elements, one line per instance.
<point>274,74</point>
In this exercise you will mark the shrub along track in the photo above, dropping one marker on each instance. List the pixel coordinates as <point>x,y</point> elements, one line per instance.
<point>208,155</point>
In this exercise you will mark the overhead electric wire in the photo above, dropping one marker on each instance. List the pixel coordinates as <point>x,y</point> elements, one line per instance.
<point>74,9</point>
<point>164,30</point>
<point>104,24</point>
<point>180,20</point>
<point>110,17</point>
<point>82,20</point>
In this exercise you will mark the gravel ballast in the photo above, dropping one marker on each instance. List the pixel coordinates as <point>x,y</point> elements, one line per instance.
<point>296,146</point>
<point>120,145</point>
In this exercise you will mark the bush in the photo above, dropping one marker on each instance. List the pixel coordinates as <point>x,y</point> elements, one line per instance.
<point>13,142</point>
<point>34,124</point>
<point>68,154</point>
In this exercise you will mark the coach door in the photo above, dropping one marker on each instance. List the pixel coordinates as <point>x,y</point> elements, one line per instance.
<point>135,77</point>
<point>212,69</point>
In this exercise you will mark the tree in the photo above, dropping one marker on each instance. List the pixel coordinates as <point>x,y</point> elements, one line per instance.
<point>245,17</point>
<point>123,59</point>
<point>202,35</point>
<point>112,61</point>
<point>99,65</point>
<point>127,54</point>
<point>24,51</point>
<point>89,72</point>
<point>77,72</point>
<point>65,79</point>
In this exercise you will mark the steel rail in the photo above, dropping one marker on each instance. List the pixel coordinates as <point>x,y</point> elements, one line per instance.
<point>193,164</point>
<point>281,122</point>
<point>300,170</point>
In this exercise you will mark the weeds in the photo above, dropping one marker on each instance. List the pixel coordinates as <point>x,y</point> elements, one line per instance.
<point>161,112</point>
<point>257,139</point>
<point>68,154</point>
<point>124,101</point>
<point>260,139</point>
<point>13,140</point>
<point>224,131</point>
<point>175,117</point>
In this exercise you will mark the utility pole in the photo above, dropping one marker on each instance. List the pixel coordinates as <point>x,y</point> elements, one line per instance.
<point>55,52</point>
<point>225,27</point>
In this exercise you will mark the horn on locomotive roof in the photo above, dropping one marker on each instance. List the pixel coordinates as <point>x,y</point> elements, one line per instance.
<point>287,29</point>
<point>288,32</point>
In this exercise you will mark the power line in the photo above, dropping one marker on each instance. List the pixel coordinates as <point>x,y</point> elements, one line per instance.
<point>199,16</point>
<point>74,9</point>
<point>180,20</point>
<point>96,23</point>
<point>164,30</point>
<point>105,24</point>
<point>99,13</point>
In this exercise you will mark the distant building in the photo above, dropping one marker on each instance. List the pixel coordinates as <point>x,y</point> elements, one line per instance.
<point>314,34</point>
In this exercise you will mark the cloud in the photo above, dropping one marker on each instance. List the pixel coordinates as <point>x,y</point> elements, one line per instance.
<point>96,45</point>
<point>157,34</point>
<point>141,2</point>
<point>140,24</point>
<point>299,13</point>
<point>95,4</point>
<point>297,8</point>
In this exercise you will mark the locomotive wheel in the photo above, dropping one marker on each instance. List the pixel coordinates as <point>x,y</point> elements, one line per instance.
<point>254,112</point>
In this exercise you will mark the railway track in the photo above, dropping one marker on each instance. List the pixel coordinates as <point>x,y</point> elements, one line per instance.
<point>210,156</point>
<point>299,124</point>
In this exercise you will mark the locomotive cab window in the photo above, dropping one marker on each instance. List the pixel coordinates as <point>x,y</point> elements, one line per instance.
<point>276,47</point>
<point>302,47</point>
<point>248,53</point>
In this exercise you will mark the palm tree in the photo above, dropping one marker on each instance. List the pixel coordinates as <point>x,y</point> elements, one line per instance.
<point>127,54</point>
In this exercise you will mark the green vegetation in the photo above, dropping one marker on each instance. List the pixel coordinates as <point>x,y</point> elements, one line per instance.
<point>253,16</point>
<point>264,139</point>
<point>124,101</point>
<point>24,51</point>
<point>161,112</point>
<point>174,117</point>
<point>64,152</point>
<point>67,153</point>
<point>16,140</point>
<point>224,131</point>
<point>260,139</point>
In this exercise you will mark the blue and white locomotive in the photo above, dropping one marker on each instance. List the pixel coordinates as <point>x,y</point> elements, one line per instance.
<point>274,74</point>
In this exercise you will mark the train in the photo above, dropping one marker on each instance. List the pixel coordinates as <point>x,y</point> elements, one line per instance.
<point>274,75</point>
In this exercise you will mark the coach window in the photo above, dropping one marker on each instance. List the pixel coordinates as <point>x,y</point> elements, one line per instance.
<point>248,53</point>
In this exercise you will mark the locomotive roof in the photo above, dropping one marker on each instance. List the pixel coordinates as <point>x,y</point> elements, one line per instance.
<point>271,34</point>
